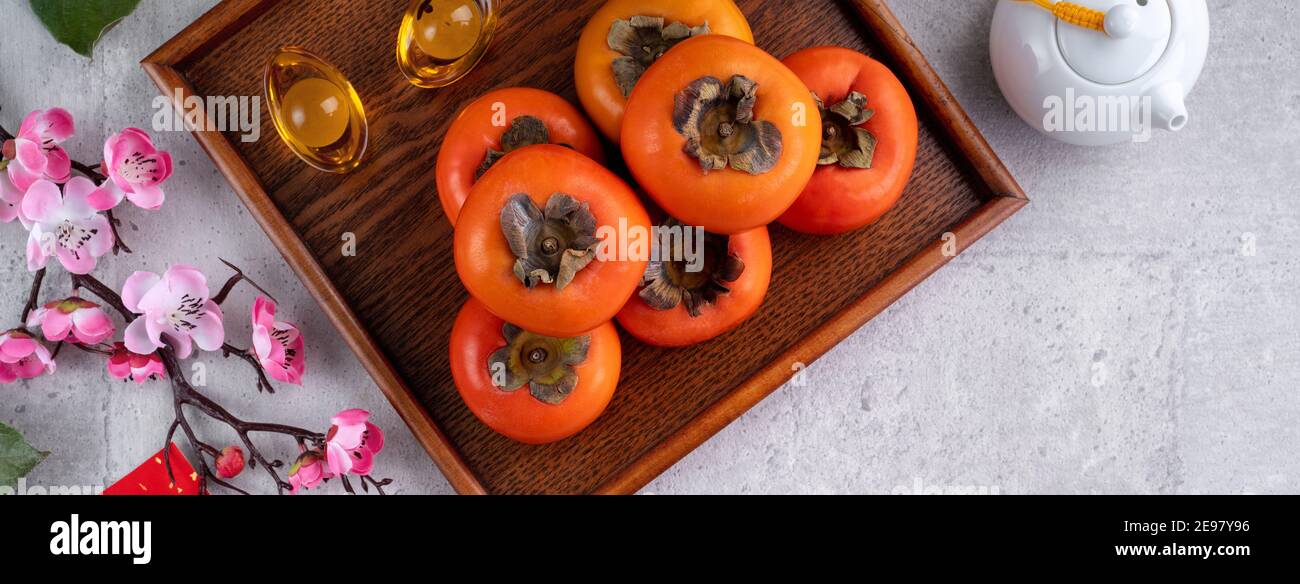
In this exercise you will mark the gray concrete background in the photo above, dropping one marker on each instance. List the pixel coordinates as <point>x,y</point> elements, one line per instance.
<point>1117,336</point>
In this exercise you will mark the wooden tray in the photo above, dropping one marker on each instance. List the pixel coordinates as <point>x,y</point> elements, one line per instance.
<point>394,302</point>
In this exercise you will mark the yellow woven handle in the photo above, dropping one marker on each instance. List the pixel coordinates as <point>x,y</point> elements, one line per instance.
<point>1074,14</point>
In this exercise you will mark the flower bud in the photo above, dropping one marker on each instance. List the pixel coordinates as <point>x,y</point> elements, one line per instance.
<point>230,463</point>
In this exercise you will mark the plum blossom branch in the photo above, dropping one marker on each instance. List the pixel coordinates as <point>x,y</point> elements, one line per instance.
<point>113,224</point>
<point>239,276</point>
<point>89,172</point>
<point>104,293</point>
<point>377,483</point>
<point>184,394</point>
<point>33,298</point>
<point>96,349</point>
<point>263,384</point>
<point>4,134</point>
<point>176,309</point>
<point>366,482</point>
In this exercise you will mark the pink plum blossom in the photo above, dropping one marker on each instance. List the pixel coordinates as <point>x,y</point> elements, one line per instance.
<point>136,169</point>
<point>35,152</point>
<point>174,305</point>
<point>11,200</point>
<point>22,357</point>
<point>308,471</point>
<point>125,365</point>
<point>65,225</point>
<point>278,345</point>
<point>352,443</point>
<point>81,319</point>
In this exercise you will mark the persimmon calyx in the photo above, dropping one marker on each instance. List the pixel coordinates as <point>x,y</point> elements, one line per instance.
<point>668,282</point>
<point>551,245</point>
<point>844,141</point>
<point>640,40</point>
<point>523,131</point>
<point>544,363</point>
<point>718,122</point>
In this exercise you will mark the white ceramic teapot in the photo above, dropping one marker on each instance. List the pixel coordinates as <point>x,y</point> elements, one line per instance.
<point>1096,72</point>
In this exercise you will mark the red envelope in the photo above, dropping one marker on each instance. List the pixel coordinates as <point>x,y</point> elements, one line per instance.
<point>150,478</point>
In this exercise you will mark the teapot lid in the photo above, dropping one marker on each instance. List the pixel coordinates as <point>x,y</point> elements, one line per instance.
<point>1138,32</point>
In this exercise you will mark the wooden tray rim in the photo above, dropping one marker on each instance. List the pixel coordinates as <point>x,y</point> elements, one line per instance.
<point>1005,199</point>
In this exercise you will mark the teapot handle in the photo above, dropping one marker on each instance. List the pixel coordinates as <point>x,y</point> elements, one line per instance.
<point>1118,22</point>
<point>1075,14</point>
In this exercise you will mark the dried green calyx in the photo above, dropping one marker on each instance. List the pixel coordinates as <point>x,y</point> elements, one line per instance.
<point>523,131</point>
<point>641,40</point>
<point>718,122</point>
<point>551,245</point>
<point>668,282</point>
<point>844,142</point>
<point>544,363</point>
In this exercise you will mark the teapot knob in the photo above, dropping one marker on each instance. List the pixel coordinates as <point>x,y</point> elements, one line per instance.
<point>1121,21</point>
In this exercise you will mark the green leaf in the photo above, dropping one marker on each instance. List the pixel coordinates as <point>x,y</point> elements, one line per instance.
<point>80,23</point>
<point>17,457</point>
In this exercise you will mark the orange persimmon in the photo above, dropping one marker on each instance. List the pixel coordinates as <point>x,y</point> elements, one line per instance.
<point>528,387</point>
<point>678,307</point>
<point>854,186</point>
<point>599,87</point>
<point>528,239</point>
<point>499,122</point>
<point>721,134</point>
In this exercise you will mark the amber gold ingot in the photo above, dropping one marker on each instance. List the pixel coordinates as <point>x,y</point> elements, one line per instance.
<point>315,109</point>
<point>440,41</point>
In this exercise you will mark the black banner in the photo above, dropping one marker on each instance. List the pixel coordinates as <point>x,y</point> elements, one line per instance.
<point>1108,533</point>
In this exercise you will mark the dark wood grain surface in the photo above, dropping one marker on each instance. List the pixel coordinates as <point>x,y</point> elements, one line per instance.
<point>402,283</point>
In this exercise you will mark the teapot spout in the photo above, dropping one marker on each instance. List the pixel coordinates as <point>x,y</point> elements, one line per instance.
<point>1167,109</point>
